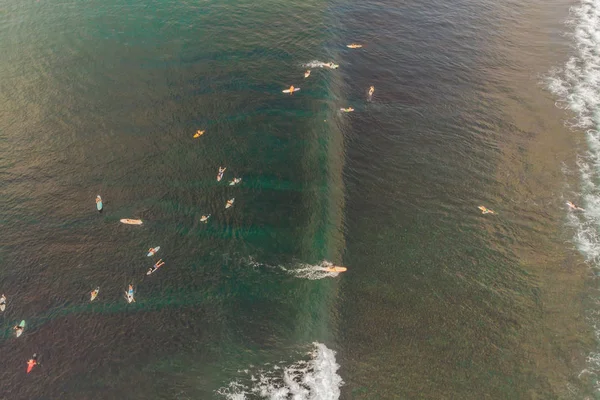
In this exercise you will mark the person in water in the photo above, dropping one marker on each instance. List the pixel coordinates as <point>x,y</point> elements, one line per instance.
<point>573,206</point>
<point>156,266</point>
<point>32,362</point>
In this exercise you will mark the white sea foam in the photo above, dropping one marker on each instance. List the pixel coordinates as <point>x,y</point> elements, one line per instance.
<point>314,272</point>
<point>303,271</point>
<point>313,379</point>
<point>577,86</point>
<point>318,64</point>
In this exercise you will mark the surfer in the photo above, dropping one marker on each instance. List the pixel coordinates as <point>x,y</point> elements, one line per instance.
<point>235,181</point>
<point>18,329</point>
<point>291,90</point>
<point>130,294</point>
<point>32,363</point>
<point>371,91</point>
<point>205,218</point>
<point>574,207</point>
<point>485,210</point>
<point>152,251</point>
<point>156,266</point>
<point>349,109</point>
<point>331,65</point>
<point>198,133</point>
<point>354,46</point>
<point>94,294</point>
<point>229,202</point>
<point>99,203</point>
<point>220,174</point>
<point>2,302</point>
<point>307,73</point>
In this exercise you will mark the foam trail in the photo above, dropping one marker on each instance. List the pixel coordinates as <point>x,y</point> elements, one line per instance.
<point>577,86</point>
<point>318,64</point>
<point>314,272</point>
<point>303,271</point>
<point>312,379</point>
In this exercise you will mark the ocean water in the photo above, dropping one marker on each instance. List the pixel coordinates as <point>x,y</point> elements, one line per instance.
<point>439,301</point>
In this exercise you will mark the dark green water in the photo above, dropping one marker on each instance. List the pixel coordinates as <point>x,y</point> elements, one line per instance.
<point>438,301</point>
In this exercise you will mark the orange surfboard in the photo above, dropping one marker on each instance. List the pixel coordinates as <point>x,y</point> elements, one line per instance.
<point>132,221</point>
<point>335,268</point>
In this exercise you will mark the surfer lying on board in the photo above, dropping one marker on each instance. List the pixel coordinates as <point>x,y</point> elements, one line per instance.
<point>485,210</point>
<point>574,207</point>
<point>18,329</point>
<point>32,363</point>
<point>156,266</point>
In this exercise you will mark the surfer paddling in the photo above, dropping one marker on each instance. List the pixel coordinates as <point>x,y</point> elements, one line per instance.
<point>156,266</point>
<point>485,210</point>
<point>220,173</point>
<point>574,207</point>
<point>18,330</point>
<point>205,218</point>
<point>32,362</point>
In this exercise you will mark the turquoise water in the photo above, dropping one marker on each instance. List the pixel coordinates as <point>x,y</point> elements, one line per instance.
<point>438,301</point>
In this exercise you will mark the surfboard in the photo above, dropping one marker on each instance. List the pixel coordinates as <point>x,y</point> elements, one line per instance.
<point>2,307</point>
<point>335,268</point>
<point>154,251</point>
<point>22,325</point>
<point>129,296</point>
<point>354,46</point>
<point>132,221</point>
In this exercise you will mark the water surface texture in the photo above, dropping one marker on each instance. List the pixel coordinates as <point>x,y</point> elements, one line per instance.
<point>439,301</point>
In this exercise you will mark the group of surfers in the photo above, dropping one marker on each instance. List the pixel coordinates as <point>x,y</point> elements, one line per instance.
<point>129,294</point>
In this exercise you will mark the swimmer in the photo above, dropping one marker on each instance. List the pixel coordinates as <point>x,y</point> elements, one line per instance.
<point>485,210</point>
<point>574,207</point>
